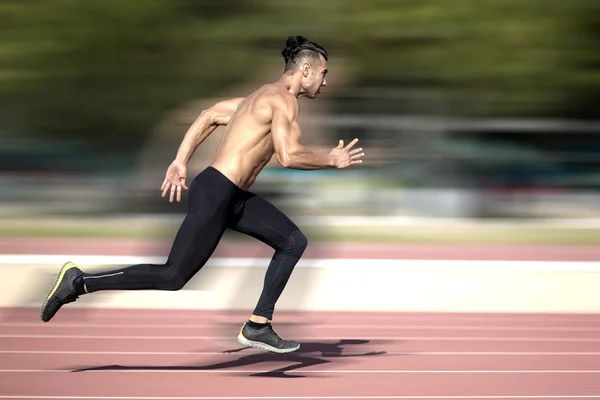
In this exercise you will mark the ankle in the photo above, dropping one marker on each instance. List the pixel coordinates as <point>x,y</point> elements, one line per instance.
<point>79,286</point>
<point>259,320</point>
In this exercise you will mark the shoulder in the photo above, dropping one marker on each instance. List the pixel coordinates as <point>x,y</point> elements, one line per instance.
<point>231,104</point>
<point>220,113</point>
<point>280,101</point>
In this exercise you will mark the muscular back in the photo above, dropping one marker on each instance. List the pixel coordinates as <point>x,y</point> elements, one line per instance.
<point>248,145</point>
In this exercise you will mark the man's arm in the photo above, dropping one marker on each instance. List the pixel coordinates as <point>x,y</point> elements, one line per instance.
<point>208,120</point>
<point>286,140</point>
<point>204,125</point>
<point>291,154</point>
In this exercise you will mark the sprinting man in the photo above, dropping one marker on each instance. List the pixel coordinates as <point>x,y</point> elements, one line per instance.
<point>259,126</point>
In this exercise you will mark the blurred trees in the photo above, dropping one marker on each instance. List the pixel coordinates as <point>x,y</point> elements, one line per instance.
<point>493,57</point>
<point>104,71</point>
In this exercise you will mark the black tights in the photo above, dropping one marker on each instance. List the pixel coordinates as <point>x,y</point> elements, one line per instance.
<point>216,204</point>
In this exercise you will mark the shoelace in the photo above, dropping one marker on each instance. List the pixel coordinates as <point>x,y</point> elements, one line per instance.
<point>269,327</point>
<point>279,339</point>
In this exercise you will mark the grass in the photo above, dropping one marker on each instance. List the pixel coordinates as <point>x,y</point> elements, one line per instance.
<point>450,234</point>
<point>467,236</point>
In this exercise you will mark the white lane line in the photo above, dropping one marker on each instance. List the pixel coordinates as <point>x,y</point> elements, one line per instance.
<point>336,338</point>
<point>345,263</point>
<point>515,319</point>
<point>192,370</point>
<point>365,327</point>
<point>247,352</point>
<point>439,397</point>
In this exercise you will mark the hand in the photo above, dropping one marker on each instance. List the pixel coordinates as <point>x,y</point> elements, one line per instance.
<point>174,179</point>
<point>343,157</point>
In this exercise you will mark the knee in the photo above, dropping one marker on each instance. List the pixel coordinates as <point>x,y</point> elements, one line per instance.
<point>172,280</point>
<point>301,242</point>
<point>295,244</point>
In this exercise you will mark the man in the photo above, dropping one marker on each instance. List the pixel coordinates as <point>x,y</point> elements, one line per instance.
<point>259,126</point>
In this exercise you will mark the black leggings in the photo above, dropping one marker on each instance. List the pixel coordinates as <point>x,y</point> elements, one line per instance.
<point>215,204</point>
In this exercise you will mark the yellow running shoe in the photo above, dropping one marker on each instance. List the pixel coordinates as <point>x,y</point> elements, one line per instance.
<point>62,291</point>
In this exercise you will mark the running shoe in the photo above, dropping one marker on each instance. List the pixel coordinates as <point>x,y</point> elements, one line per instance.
<point>62,291</point>
<point>265,338</point>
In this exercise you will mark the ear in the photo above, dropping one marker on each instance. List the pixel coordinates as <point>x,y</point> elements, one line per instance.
<point>306,69</point>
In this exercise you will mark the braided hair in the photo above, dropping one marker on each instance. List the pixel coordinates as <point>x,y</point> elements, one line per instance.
<point>299,48</point>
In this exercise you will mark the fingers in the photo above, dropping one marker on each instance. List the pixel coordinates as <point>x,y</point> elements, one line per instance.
<point>181,185</point>
<point>165,188</point>
<point>174,182</point>
<point>341,144</point>
<point>356,154</point>
<point>172,193</point>
<point>352,143</point>
<point>175,189</point>
<point>175,193</point>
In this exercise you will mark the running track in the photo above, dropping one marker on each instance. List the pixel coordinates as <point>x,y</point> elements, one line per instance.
<point>181,354</point>
<point>254,248</point>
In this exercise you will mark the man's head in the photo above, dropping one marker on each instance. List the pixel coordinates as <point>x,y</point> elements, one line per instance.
<point>309,60</point>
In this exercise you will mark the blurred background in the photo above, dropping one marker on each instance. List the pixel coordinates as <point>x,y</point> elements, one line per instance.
<point>479,114</point>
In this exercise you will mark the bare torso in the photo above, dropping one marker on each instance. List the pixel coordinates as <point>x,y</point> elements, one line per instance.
<point>247,145</point>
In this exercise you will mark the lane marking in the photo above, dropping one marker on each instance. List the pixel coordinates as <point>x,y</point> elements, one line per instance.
<point>212,325</point>
<point>249,351</point>
<point>330,263</point>
<point>194,370</point>
<point>336,338</point>
<point>301,397</point>
<point>119,313</point>
<point>440,397</point>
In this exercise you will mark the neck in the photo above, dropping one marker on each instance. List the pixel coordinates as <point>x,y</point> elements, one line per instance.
<point>292,82</point>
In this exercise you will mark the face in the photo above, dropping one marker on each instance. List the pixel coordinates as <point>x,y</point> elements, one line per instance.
<point>314,78</point>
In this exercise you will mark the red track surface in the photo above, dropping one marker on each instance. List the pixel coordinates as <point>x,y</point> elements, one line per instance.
<point>251,248</point>
<point>168,354</point>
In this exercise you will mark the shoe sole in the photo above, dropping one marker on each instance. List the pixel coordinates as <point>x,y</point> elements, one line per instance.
<point>243,341</point>
<point>66,266</point>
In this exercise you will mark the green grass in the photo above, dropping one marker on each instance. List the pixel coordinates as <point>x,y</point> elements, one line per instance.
<point>466,236</point>
<point>415,234</point>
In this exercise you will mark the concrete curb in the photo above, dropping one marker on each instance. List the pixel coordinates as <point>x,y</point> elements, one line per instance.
<point>337,285</point>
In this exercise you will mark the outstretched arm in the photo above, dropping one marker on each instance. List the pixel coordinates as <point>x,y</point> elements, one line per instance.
<point>208,120</point>
<point>291,154</point>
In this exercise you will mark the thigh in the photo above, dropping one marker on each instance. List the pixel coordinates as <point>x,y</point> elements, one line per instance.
<point>200,231</point>
<point>259,218</point>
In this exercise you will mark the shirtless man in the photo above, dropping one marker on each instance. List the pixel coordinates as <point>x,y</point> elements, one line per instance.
<point>259,126</point>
